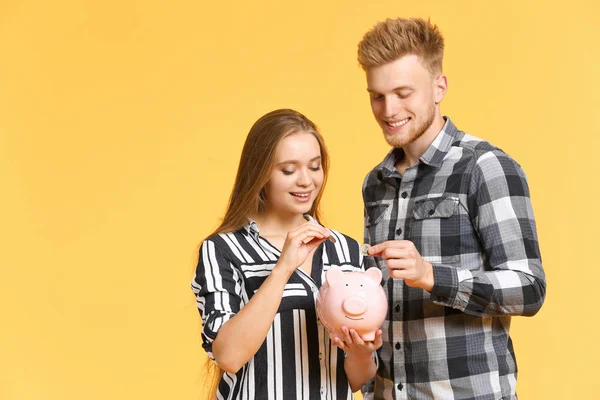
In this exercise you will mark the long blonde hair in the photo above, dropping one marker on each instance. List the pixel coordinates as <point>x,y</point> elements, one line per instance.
<point>256,164</point>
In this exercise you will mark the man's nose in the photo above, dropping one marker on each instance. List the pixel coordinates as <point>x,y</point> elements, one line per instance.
<point>391,107</point>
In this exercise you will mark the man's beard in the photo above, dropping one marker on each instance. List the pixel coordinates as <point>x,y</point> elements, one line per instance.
<point>416,131</point>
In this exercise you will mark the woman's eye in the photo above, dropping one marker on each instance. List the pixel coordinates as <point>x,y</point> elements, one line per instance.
<point>317,168</point>
<point>287,172</point>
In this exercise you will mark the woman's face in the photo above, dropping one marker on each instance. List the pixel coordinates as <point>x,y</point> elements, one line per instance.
<point>297,175</point>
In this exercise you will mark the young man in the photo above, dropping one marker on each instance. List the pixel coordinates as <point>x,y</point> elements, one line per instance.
<point>452,227</point>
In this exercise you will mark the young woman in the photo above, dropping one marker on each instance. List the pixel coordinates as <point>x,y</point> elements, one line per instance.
<point>259,272</point>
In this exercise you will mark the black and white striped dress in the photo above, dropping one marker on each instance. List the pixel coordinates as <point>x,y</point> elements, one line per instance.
<point>297,359</point>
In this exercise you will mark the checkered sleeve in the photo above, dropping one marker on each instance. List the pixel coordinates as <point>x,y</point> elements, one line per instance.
<point>513,282</point>
<point>368,261</point>
<point>218,295</point>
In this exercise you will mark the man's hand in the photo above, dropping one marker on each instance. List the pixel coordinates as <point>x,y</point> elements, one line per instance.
<point>405,262</point>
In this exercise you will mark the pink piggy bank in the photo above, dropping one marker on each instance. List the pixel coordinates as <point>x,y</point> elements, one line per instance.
<point>353,299</point>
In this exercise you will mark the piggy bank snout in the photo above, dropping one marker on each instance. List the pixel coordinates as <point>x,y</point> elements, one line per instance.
<point>354,306</point>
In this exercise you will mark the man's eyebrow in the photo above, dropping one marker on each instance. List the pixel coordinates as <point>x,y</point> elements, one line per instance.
<point>298,162</point>
<point>403,87</point>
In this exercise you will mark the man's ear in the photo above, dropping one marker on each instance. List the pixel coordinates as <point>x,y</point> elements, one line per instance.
<point>440,88</point>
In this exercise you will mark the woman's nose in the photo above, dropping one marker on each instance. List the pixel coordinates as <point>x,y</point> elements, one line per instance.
<point>303,177</point>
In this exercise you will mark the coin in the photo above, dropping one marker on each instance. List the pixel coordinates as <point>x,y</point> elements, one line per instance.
<point>364,249</point>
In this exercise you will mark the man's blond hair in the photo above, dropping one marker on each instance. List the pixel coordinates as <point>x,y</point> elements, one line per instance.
<point>394,38</point>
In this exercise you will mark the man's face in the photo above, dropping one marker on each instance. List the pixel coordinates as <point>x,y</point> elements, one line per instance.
<point>403,98</point>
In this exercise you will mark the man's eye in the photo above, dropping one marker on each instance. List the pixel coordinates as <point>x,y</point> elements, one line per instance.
<point>376,97</point>
<point>404,95</point>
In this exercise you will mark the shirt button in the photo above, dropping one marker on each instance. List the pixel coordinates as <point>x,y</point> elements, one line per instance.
<point>400,386</point>
<point>397,345</point>
<point>398,231</point>
<point>431,212</point>
<point>397,308</point>
<point>404,195</point>
<point>320,356</point>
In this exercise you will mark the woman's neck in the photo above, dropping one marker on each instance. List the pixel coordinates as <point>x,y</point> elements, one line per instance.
<point>271,224</point>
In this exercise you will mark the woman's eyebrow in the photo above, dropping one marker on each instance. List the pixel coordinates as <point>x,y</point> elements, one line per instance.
<point>298,162</point>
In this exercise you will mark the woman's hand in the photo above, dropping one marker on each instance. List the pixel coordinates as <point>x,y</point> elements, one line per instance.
<point>355,347</point>
<point>359,363</point>
<point>299,243</point>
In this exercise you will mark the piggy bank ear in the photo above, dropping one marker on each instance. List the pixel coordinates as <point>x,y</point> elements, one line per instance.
<point>334,275</point>
<point>374,274</point>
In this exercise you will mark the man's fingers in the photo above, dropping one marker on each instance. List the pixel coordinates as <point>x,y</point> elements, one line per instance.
<point>397,253</point>
<point>377,249</point>
<point>399,263</point>
<point>402,274</point>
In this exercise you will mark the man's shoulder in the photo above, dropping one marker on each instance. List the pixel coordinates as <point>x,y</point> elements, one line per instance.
<point>485,158</point>
<point>476,148</point>
<point>474,145</point>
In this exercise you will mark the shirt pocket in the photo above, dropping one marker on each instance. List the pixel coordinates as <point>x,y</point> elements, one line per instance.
<point>435,229</point>
<point>376,212</point>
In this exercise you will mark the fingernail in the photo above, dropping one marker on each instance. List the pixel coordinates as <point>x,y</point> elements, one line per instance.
<point>309,217</point>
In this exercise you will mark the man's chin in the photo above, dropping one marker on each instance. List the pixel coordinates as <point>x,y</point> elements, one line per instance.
<point>395,141</point>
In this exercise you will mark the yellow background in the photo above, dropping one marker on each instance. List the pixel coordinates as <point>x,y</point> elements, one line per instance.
<point>121,124</point>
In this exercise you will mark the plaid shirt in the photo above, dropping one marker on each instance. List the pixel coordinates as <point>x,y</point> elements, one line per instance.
<point>466,207</point>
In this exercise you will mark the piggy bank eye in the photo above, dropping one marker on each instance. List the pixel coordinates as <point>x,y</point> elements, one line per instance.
<point>360,285</point>
<point>346,284</point>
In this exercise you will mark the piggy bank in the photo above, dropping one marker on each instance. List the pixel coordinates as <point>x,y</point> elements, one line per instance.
<point>353,299</point>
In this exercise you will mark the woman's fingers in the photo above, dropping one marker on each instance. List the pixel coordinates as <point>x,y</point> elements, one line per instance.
<point>378,339</point>
<point>338,342</point>
<point>356,338</point>
<point>307,232</point>
<point>347,338</point>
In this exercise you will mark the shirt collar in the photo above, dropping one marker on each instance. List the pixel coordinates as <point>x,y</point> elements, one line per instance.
<point>436,152</point>
<point>252,228</point>
<point>433,156</point>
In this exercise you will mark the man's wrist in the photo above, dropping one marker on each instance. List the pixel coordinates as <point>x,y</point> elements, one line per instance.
<point>429,280</point>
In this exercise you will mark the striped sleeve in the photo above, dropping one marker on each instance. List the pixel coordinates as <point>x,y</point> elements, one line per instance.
<point>369,262</point>
<point>500,208</point>
<point>217,289</point>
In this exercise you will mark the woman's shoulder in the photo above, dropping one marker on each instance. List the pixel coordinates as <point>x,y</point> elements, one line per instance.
<point>222,240</point>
